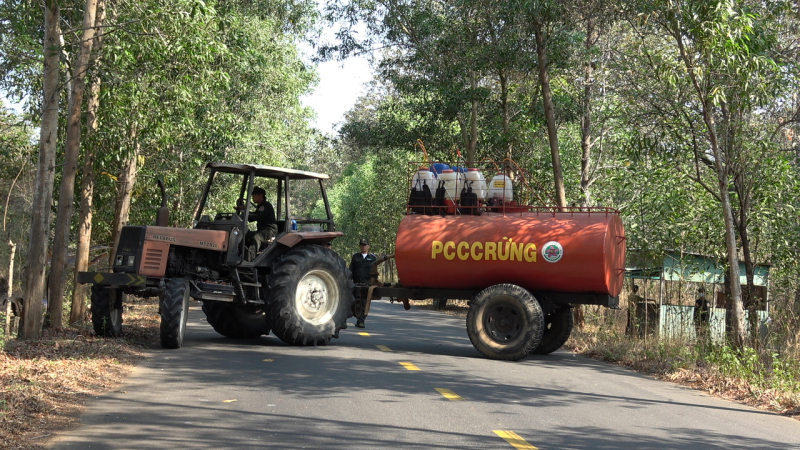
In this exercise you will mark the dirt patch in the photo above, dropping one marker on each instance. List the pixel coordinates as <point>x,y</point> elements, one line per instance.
<point>44,384</point>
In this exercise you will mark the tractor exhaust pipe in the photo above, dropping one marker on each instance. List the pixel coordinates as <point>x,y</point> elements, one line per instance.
<point>162,216</point>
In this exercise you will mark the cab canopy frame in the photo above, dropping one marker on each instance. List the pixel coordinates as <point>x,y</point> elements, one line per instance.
<point>283,205</point>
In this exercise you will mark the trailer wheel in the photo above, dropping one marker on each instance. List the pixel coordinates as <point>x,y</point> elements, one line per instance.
<point>505,322</point>
<point>236,321</point>
<point>174,310</point>
<point>557,328</point>
<point>311,294</point>
<point>106,311</point>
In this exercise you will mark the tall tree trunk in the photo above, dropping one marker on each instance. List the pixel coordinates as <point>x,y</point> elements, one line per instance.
<point>737,310</point>
<point>79,292</point>
<point>549,113</point>
<point>122,208</point>
<point>721,169</point>
<point>473,123</point>
<point>43,192</point>
<point>586,118</point>
<point>748,297</point>
<point>67,193</point>
<point>505,111</point>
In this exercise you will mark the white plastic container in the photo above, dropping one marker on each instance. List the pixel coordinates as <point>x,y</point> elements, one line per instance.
<point>453,182</point>
<point>422,177</point>
<point>501,187</point>
<point>478,182</point>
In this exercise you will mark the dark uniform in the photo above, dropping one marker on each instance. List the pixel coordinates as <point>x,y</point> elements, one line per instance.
<point>361,266</point>
<point>266,228</point>
<point>702,312</point>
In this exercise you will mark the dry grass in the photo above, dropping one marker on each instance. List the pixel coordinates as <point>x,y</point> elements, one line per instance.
<point>717,370</point>
<point>44,384</point>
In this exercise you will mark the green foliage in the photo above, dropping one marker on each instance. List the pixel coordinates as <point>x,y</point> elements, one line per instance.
<point>18,155</point>
<point>217,81</point>
<point>369,201</point>
<point>764,371</point>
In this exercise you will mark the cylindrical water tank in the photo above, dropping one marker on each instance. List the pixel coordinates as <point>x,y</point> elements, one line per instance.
<point>501,187</point>
<point>423,177</point>
<point>453,182</point>
<point>573,252</point>
<point>474,179</point>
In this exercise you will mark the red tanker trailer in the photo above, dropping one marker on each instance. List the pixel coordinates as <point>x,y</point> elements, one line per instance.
<point>521,267</point>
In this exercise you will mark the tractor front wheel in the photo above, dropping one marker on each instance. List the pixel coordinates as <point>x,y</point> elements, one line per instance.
<point>106,311</point>
<point>173,307</point>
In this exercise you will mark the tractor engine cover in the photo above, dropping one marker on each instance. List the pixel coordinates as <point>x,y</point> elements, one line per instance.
<point>572,251</point>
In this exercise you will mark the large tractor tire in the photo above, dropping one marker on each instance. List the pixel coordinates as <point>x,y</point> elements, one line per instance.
<point>236,321</point>
<point>173,307</point>
<point>505,322</point>
<point>106,311</point>
<point>557,328</point>
<point>311,295</point>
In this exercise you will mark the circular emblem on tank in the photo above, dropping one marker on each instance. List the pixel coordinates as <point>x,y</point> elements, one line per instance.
<point>552,251</point>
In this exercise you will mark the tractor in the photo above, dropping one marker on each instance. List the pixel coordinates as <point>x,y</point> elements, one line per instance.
<point>295,286</point>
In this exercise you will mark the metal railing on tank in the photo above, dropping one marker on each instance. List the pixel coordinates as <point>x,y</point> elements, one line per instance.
<point>474,188</point>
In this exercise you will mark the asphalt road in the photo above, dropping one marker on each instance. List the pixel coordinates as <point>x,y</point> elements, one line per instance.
<point>411,380</point>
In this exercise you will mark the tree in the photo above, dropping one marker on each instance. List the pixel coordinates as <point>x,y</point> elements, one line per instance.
<point>40,222</point>
<point>78,309</point>
<point>67,193</point>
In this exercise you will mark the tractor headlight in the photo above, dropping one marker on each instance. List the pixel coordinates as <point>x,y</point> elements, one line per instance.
<point>118,261</point>
<point>130,260</point>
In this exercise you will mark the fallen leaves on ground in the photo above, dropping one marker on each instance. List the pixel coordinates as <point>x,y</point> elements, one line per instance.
<point>44,384</point>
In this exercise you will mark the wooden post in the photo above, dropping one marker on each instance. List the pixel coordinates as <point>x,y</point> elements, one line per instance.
<point>13,248</point>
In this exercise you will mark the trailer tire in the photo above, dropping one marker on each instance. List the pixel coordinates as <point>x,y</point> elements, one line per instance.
<point>557,328</point>
<point>106,311</point>
<point>505,322</point>
<point>173,306</point>
<point>310,297</point>
<point>236,321</point>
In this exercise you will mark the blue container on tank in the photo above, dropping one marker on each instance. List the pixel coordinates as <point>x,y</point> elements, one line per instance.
<point>438,168</point>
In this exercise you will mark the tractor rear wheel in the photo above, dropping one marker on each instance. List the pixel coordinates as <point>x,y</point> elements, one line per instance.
<point>106,311</point>
<point>236,321</point>
<point>173,307</point>
<point>505,321</point>
<point>310,297</point>
<point>557,328</point>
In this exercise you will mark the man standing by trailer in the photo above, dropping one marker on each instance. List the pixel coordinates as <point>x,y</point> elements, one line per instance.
<point>360,266</point>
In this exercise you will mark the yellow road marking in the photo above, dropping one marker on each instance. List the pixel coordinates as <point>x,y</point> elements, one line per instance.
<point>448,394</point>
<point>269,360</point>
<point>229,401</point>
<point>363,334</point>
<point>409,366</point>
<point>384,348</point>
<point>515,440</point>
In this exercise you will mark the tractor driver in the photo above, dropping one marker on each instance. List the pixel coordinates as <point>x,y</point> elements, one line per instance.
<point>266,225</point>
